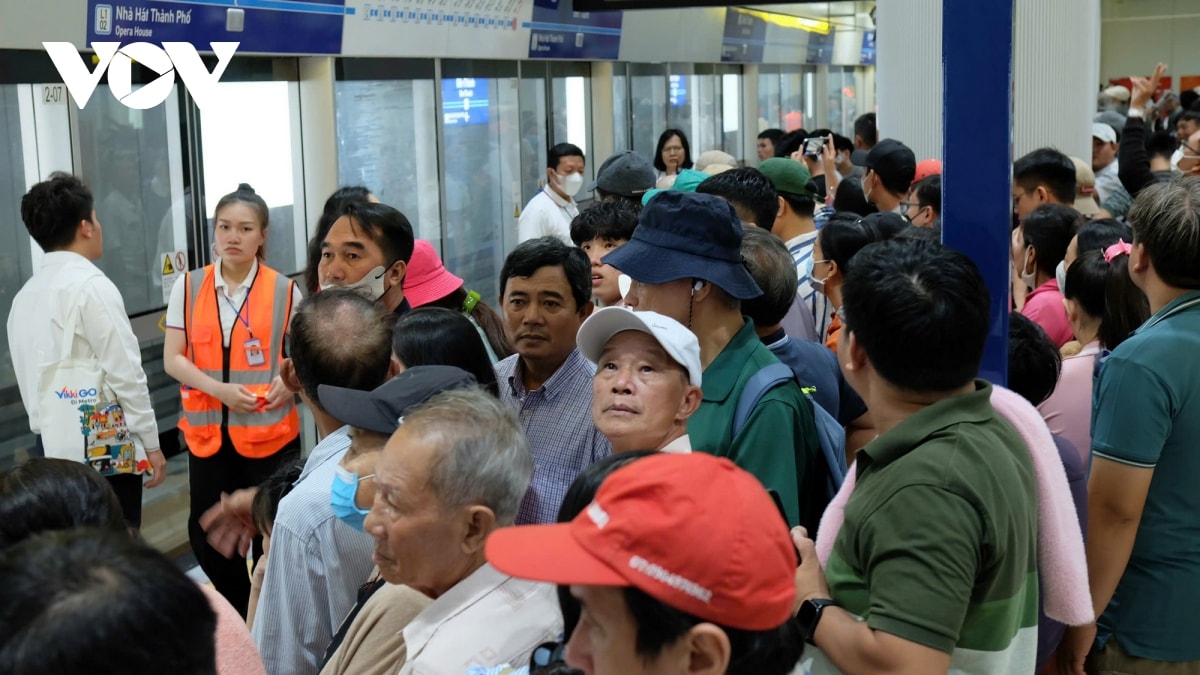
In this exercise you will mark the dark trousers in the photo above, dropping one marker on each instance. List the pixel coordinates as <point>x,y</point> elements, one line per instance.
<point>208,477</point>
<point>128,487</point>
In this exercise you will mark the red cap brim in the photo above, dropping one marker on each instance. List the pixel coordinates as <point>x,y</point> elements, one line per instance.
<point>548,553</point>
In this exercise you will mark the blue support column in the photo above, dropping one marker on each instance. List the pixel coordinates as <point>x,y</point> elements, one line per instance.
<point>977,57</point>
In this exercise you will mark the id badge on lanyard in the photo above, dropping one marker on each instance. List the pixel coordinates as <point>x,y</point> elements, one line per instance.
<point>253,346</point>
<point>254,352</point>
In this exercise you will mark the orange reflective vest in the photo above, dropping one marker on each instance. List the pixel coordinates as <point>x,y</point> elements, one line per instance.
<point>268,305</point>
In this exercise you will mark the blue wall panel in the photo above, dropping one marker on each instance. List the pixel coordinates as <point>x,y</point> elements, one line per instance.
<point>977,53</point>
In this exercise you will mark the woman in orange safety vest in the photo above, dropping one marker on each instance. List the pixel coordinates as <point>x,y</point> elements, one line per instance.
<point>226,325</point>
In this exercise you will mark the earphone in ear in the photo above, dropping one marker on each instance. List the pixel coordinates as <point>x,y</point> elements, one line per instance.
<point>699,284</point>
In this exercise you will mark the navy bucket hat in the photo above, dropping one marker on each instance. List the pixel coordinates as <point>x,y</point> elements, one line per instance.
<point>684,235</point>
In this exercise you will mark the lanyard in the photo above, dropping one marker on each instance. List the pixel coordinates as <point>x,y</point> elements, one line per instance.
<point>246,306</point>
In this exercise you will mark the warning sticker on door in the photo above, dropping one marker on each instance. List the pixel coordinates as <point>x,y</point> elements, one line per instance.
<point>174,265</point>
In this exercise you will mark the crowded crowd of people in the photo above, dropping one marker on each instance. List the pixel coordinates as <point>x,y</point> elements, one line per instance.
<point>720,419</point>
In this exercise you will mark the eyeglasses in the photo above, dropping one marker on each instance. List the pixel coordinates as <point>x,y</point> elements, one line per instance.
<point>546,654</point>
<point>905,206</point>
<point>1183,145</point>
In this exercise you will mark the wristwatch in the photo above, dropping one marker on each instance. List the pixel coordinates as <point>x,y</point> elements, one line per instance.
<point>810,615</point>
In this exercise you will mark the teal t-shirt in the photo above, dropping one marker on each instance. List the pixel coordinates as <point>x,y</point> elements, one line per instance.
<point>1146,413</point>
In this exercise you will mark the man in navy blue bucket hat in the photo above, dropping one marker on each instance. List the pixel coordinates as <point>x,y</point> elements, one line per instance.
<point>685,262</point>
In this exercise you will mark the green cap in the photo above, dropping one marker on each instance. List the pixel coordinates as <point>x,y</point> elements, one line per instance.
<point>788,175</point>
<point>687,181</point>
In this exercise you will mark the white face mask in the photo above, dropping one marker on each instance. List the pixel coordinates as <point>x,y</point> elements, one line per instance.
<point>1175,157</point>
<point>1029,279</point>
<point>370,286</point>
<point>1060,275</point>
<point>866,190</point>
<point>817,285</point>
<point>570,183</point>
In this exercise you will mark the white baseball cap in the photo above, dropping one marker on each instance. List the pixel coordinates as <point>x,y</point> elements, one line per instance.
<point>679,342</point>
<point>1104,132</point>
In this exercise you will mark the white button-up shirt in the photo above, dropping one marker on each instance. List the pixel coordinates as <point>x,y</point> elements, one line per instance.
<point>487,619</point>
<point>547,214</point>
<point>35,334</point>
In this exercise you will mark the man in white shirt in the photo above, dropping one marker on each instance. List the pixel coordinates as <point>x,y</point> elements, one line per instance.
<point>647,381</point>
<point>1104,160</point>
<point>551,210</point>
<point>60,216</point>
<point>454,472</point>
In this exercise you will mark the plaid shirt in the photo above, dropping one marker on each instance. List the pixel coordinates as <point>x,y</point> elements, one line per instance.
<point>557,418</point>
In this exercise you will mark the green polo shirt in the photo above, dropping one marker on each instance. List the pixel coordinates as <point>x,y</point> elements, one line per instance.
<point>778,444</point>
<point>1146,414</point>
<point>939,543</point>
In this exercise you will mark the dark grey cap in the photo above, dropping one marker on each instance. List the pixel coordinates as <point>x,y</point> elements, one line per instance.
<point>625,173</point>
<point>380,410</point>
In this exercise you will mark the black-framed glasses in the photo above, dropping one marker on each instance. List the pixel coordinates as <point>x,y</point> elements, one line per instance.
<point>1183,145</point>
<point>546,654</point>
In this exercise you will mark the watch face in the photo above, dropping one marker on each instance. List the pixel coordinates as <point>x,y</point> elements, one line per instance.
<point>810,615</point>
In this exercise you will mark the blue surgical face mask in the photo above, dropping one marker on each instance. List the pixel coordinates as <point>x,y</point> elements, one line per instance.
<point>345,485</point>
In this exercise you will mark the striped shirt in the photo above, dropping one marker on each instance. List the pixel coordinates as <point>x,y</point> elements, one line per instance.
<point>317,565</point>
<point>801,248</point>
<point>939,545</point>
<point>557,418</point>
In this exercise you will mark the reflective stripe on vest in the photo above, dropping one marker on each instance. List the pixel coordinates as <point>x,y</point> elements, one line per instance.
<point>268,304</point>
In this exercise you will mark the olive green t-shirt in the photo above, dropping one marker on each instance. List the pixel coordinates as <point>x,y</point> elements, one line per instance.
<point>939,543</point>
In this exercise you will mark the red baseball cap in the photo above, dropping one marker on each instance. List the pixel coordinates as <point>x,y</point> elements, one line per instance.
<point>927,168</point>
<point>693,531</point>
<point>426,279</point>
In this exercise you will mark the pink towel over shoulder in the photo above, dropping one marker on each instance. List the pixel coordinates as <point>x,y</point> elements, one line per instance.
<point>236,653</point>
<point>1061,559</point>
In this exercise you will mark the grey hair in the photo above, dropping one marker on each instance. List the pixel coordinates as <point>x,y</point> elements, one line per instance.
<point>483,456</point>
<point>774,270</point>
<point>1166,220</point>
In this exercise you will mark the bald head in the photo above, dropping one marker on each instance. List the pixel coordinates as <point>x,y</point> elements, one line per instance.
<point>340,339</point>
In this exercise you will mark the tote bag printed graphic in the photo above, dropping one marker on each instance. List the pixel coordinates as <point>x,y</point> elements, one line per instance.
<point>107,444</point>
<point>80,419</point>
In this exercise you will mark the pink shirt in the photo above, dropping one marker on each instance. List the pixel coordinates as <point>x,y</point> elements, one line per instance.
<point>1068,411</point>
<point>1044,305</point>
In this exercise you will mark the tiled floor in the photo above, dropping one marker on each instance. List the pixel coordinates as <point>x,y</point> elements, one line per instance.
<point>165,511</point>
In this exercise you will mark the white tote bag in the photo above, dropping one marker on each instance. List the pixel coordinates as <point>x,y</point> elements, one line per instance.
<point>81,420</point>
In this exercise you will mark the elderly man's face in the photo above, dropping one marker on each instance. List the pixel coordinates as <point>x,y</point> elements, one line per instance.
<point>418,541</point>
<point>639,393</point>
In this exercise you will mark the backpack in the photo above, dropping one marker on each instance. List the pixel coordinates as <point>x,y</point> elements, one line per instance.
<point>830,434</point>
